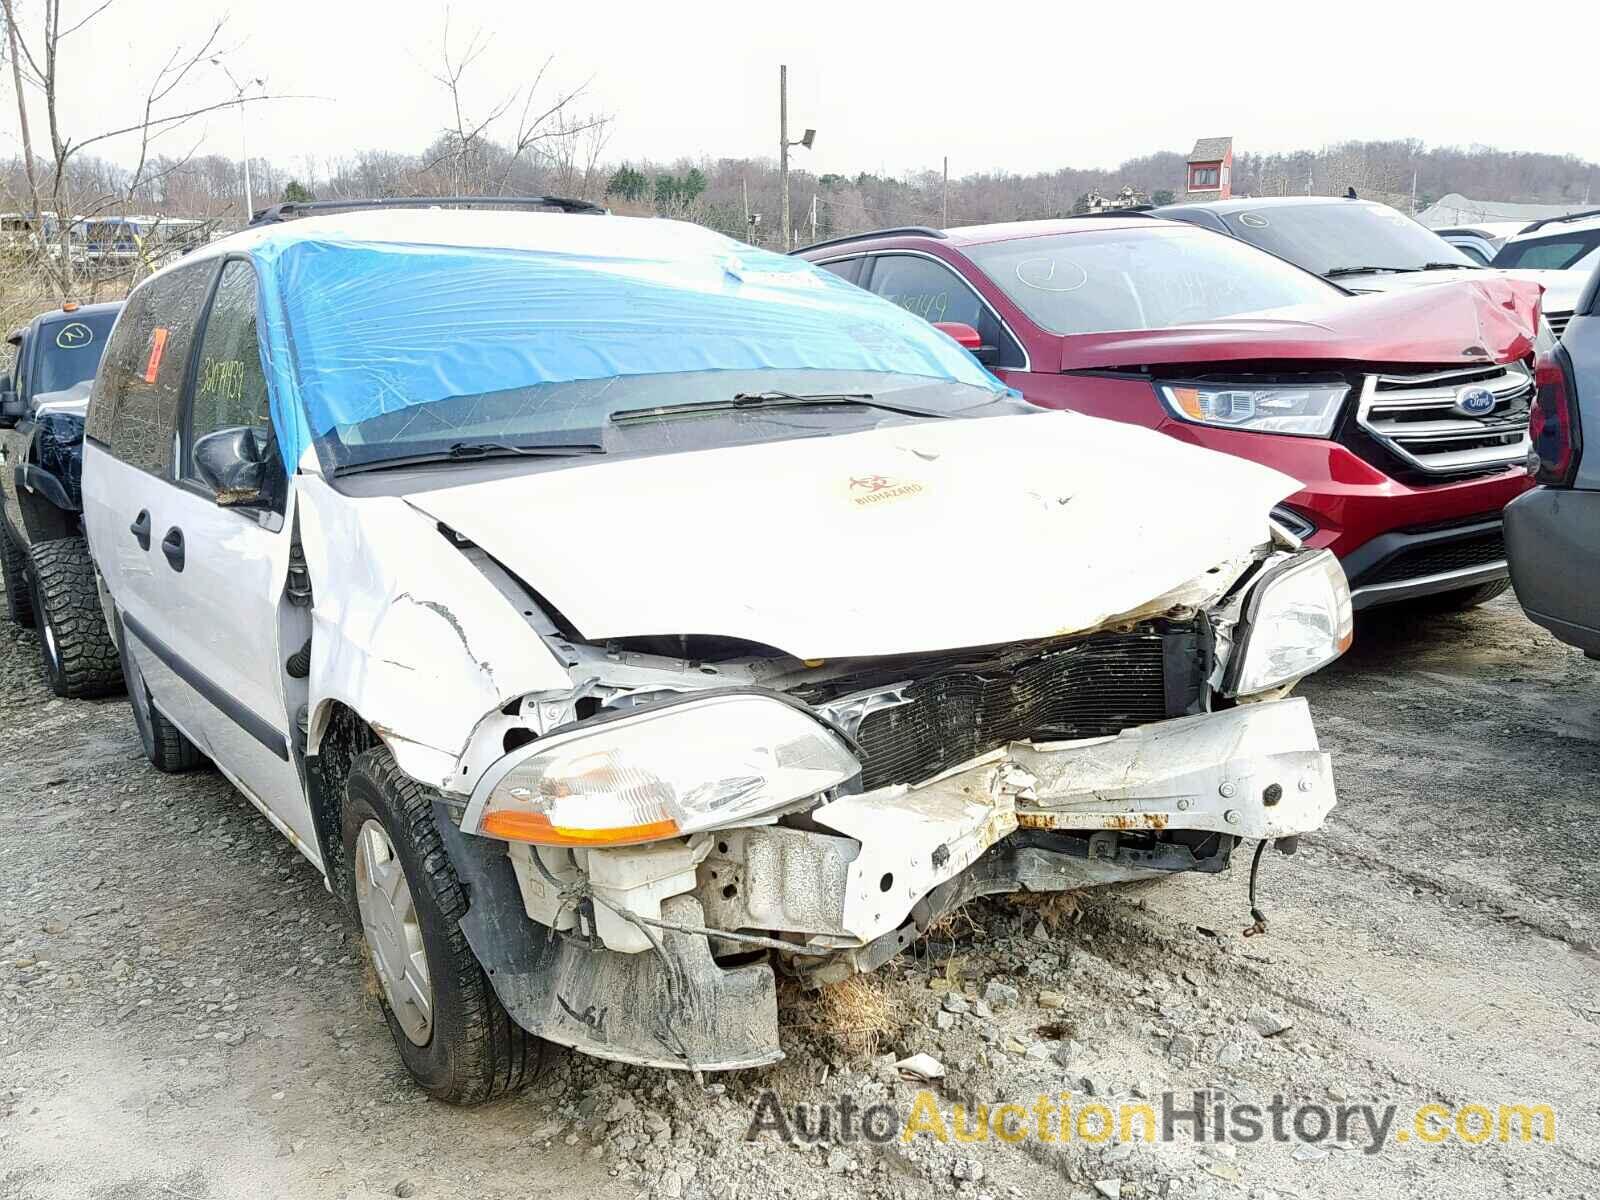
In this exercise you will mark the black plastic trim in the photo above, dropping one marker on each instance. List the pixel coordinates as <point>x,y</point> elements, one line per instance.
<point>258,728</point>
<point>36,479</point>
<point>1364,560</point>
<point>275,213</point>
<point>869,235</point>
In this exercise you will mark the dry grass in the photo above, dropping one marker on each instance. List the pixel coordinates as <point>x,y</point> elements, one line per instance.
<point>855,1015</point>
<point>25,292</point>
<point>1056,909</point>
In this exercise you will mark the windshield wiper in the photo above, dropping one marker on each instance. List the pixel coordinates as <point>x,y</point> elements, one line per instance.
<point>1335,272</point>
<point>471,451</point>
<point>1449,266</point>
<point>773,399</point>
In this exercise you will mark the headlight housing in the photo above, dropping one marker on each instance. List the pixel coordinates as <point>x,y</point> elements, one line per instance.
<point>1307,410</point>
<point>1297,618</point>
<point>659,773</point>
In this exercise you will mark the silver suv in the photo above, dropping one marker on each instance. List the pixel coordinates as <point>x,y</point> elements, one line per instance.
<point>1553,532</point>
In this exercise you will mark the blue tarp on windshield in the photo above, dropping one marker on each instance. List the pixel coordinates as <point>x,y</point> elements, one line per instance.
<point>355,328</point>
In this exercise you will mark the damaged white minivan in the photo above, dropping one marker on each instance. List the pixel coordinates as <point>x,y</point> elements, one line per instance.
<point>618,615</point>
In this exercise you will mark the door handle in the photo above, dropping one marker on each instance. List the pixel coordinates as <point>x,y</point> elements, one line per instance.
<point>141,529</point>
<point>172,547</point>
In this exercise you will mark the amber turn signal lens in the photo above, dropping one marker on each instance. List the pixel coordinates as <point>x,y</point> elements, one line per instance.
<point>520,826</point>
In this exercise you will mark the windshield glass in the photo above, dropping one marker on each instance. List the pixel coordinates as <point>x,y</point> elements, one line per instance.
<point>1343,233</point>
<point>1146,278</point>
<point>68,351</point>
<point>1558,252</point>
<point>474,343</point>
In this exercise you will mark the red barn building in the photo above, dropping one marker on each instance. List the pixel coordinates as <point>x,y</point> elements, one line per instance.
<point>1210,174</point>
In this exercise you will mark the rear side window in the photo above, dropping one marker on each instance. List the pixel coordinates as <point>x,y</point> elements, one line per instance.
<point>137,394</point>
<point>848,269</point>
<point>1552,254</point>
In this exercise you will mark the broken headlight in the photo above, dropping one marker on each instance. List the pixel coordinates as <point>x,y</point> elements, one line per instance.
<point>1298,618</point>
<point>1309,410</point>
<point>659,772</point>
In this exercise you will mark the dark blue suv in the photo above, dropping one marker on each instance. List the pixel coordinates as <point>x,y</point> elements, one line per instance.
<point>49,578</point>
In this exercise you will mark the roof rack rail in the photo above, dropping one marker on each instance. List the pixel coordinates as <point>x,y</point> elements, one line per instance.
<point>291,209</point>
<point>897,231</point>
<point>1572,216</point>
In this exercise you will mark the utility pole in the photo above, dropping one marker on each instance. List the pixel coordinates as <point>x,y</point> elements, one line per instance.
<point>783,149</point>
<point>806,139</point>
<point>944,207</point>
<point>244,144</point>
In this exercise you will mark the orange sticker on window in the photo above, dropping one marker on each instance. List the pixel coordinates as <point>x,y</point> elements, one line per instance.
<point>158,344</point>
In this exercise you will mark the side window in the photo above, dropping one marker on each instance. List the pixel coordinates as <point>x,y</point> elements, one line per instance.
<point>936,293</point>
<point>847,269</point>
<point>118,362</point>
<point>144,382</point>
<point>230,387</point>
<point>16,365</point>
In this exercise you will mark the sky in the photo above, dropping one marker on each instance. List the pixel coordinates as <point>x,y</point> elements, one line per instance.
<point>996,86</point>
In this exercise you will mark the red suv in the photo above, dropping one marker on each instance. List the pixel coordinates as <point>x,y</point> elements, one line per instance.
<point>1404,416</point>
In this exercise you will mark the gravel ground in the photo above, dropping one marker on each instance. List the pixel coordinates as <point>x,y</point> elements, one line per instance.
<point>183,1013</point>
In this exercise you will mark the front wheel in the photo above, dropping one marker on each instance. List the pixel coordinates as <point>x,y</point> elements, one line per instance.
<point>454,1036</point>
<point>80,659</point>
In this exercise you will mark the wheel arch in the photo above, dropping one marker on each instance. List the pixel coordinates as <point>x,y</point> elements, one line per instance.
<point>340,736</point>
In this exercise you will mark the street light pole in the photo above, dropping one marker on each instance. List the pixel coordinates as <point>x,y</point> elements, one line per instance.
<point>244,149</point>
<point>783,150</point>
<point>239,90</point>
<point>806,139</point>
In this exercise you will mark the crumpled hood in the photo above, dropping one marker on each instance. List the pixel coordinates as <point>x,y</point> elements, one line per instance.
<point>1481,320</point>
<point>1561,288</point>
<point>900,539</point>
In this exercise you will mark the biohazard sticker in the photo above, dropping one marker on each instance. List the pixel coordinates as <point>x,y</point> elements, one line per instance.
<point>868,490</point>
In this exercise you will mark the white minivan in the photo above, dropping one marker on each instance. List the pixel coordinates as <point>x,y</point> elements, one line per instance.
<point>616,614</point>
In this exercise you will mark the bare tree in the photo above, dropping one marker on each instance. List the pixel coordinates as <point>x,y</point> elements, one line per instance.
<point>473,161</point>
<point>36,68</point>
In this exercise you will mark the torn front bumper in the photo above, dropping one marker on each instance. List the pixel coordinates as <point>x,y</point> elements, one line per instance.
<point>1254,771</point>
<point>869,872</point>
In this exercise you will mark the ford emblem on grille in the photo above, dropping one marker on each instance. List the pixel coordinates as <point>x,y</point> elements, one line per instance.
<point>1475,401</point>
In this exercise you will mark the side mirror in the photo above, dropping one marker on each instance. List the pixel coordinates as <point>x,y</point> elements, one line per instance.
<point>961,333</point>
<point>232,462</point>
<point>968,338</point>
<point>12,407</point>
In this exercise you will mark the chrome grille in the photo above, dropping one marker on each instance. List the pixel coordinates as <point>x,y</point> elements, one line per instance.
<point>1415,417</point>
<point>1557,322</point>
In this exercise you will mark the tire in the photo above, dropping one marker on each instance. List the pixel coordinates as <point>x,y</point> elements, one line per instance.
<point>19,591</point>
<point>1462,599</point>
<point>164,744</point>
<point>80,658</point>
<point>469,1050</point>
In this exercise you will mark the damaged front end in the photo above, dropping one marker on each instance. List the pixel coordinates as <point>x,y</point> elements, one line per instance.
<point>645,848</point>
